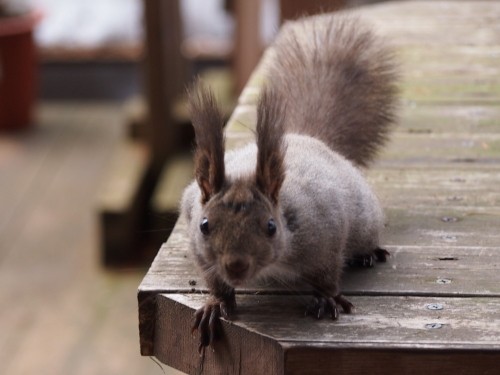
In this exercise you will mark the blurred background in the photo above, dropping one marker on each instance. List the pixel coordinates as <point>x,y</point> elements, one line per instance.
<point>95,147</point>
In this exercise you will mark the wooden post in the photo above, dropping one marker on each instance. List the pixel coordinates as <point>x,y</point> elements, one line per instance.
<point>248,44</point>
<point>124,201</point>
<point>292,9</point>
<point>164,76</point>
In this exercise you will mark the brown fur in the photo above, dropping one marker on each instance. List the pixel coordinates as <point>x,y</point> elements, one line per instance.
<point>208,124</point>
<point>339,85</point>
<point>270,171</point>
<point>237,209</point>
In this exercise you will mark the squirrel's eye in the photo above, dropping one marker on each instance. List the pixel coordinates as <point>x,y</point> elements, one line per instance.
<point>271,227</point>
<point>204,226</point>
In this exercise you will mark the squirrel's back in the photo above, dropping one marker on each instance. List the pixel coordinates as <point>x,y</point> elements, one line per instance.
<point>339,85</point>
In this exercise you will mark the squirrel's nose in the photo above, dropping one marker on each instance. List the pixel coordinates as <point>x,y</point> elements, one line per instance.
<point>237,267</point>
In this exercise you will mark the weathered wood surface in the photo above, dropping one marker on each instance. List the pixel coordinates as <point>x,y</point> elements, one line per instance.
<point>273,331</point>
<point>438,182</point>
<point>60,312</point>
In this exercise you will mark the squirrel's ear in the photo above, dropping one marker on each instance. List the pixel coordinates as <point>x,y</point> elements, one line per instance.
<point>208,125</point>
<point>270,172</point>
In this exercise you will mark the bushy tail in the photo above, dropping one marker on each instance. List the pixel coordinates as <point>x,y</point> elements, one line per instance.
<point>339,82</point>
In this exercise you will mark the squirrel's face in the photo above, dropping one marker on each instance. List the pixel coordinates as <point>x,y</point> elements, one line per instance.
<point>240,232</point>
<point>239,229</point>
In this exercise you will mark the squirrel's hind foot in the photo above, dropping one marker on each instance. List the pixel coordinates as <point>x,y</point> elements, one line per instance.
<point>368,260</point>
<point>326,305</point>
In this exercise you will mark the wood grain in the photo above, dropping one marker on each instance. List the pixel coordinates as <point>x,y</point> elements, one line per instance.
<point>381,328</point>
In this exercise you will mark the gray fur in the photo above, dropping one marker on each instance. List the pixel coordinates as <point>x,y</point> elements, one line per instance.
<point>328,211</point>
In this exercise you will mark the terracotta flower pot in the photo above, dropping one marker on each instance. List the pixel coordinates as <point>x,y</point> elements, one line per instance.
<point>18,71</point>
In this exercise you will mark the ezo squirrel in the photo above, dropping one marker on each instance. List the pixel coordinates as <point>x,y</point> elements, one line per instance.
<point>294,204</point>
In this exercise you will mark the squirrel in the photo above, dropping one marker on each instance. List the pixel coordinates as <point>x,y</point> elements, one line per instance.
<point>294,205</point>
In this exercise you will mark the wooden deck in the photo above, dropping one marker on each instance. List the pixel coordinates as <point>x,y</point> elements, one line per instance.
<point>433,308</point>
<point>60,312</point>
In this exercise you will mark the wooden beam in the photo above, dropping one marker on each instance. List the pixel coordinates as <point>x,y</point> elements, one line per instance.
<point>164,76</point>
<point>248,44</point>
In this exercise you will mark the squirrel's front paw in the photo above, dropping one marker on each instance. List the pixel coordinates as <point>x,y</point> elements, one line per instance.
<point>327,305</point>
<point>207,319</point>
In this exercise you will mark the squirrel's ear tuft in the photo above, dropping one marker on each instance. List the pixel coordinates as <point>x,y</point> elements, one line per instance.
<point>270,172</point>
<point>208,125</point>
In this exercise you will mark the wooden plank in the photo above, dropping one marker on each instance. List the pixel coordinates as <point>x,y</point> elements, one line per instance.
<point>457,74</point>
<point>177,174</point>
<point>435,23</point>
<point>20,168</point>
<point>164,205</point>
<point>445,188</point>
<point>32,170</point>
<point>462,119</point>
<point>436,226</point>
<point>380,362</point>
<point>432,271</point>
<point>384,321</point>
<point>415,149</point>
<point>30,162</point>
<point>126,167</point>
<point>122,202</point>
<point>446,133</point>
<point>413,268</point>
<point>380,324</point>
<point>443,148</point>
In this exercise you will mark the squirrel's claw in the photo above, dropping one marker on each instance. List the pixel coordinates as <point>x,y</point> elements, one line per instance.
<point>347,306</point>
<point>381,254</point>
<point>321,305</point>
<point>206,320</point>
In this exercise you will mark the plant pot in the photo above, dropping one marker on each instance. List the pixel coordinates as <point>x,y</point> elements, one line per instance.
<point>18,71</point>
